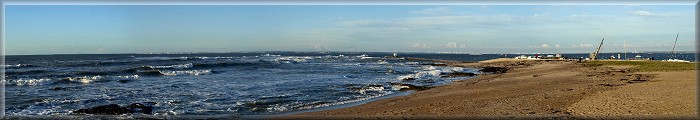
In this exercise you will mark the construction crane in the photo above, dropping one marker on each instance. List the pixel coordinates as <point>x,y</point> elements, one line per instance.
<point>594,54</point>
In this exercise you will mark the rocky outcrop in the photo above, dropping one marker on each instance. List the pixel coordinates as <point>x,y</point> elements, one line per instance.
<point>490,69</point>
<point>458,74</point>
<point>114,109</point>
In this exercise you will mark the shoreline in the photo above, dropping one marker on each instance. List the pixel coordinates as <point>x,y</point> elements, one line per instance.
<point>530,88</point>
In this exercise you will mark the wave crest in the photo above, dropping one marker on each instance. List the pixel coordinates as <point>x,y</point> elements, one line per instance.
<point>18,66</point>
<point>186,72</point>
<point>180,66</point>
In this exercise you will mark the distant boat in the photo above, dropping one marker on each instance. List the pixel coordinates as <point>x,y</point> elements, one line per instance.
<point>675,60</point>
<point>673,52</point>
<point>639,57</point>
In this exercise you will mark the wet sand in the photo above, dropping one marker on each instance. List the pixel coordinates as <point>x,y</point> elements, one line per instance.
<point>538,88</point>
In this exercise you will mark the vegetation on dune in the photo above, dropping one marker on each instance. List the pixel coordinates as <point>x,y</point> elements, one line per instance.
<point>647,66</point>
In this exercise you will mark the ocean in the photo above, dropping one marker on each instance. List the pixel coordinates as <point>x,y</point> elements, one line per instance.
<point>254,83</point>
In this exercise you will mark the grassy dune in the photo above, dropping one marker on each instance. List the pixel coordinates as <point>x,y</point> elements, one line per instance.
<point>648,66</point>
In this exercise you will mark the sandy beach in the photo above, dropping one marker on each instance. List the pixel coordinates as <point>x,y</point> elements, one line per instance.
<point>539,88</point>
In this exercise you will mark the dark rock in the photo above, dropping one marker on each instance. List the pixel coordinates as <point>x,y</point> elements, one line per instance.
<point>434,64</point>
<point>458,74</point>
<point>123,81</point>
<point>111,109</point>
<point>58,88</point>
<point>409,79</point>
<point>375,85</point>
<point>114,109</point>
<point>494,69</point>
<point>138,107</point>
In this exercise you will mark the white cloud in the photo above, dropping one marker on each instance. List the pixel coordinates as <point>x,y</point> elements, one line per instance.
<point>451,45</point>
<point>319,46</point>
<point>439,21</point>
<point>420,46</point>
<point>462,46</point>
<point>455,45</point>
<point>641,13</point>
<point>543,46</point>
<point>582,45</point>
<point>433,11</point>
<point>486,30</point>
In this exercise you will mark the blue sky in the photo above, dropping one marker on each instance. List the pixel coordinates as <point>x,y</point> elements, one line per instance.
<point>56,29</point>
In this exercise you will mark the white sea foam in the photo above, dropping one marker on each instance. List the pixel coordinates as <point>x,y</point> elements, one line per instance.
<point>293,59</point>
<point>371,88</point>
<point>22,82</point>
<point>89,79</point>
<point>161,58</point>
<point>398,87</point>
<point>271,55</point>
<point>420,74</point>
<point>214,57</point>
<point>432,71</point>
<point>181,66</point>
<point>84,79</point>
<point>15,66</point>
<point>348,101</point>
<point>186,72</point>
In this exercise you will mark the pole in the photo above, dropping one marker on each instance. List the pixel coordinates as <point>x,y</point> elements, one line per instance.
<point>673,55</point>
<point>625,46</point>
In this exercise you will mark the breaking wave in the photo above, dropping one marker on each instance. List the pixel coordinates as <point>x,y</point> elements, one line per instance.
<point>181,58</point>
<point>18,66</point>
<point>181,66</point>
<point>186,72</point>
<point>22,82</point>
<point>433,71</point>
<point>84,79</point>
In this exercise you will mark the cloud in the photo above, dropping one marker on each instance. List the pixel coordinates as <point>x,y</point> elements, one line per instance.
<point>582,45</point>
<point>640,13</point>
<point>451,45</point>
<point>319,46</point>
<point>487,30</point>
<point>438,21</point>
<point>433,11</point>
<point>544,46</point>
<point>420,46</point>
<point>455,45</point>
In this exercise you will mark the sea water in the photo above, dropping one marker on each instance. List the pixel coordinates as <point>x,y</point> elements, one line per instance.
<point>209,84</point>
<point>256,83</point>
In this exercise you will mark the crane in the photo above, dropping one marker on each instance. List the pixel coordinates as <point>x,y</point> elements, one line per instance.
<point>594,54</point>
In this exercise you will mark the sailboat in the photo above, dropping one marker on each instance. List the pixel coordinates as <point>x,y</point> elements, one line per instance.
<point>673,52</point>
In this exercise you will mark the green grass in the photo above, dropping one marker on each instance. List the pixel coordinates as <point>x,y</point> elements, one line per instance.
<point>647,66</point>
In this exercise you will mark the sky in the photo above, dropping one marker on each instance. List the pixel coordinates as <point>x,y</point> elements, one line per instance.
<point>100,29</point>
